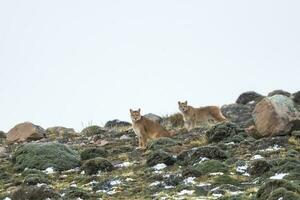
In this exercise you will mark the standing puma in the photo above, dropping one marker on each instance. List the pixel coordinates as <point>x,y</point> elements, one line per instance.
<point>196,116</point>
<point>146,129</point>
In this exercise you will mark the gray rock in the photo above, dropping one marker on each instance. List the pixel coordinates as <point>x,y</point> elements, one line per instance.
<point>247,97</point>
<point>239,114</point>
<point>116,124</point>
<point>296,97</point>
<point>153,117</point>
<point>281,92</point>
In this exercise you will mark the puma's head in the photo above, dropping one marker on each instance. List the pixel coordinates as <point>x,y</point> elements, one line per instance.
<point>135,115</point>
<point>183,106</point>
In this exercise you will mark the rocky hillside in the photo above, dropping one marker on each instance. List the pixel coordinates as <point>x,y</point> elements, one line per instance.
<point>223,161</point>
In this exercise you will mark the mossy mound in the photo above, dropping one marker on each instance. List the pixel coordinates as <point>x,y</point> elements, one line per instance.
<point>42,156</point>
<point>224,132</point>
<point>34,193</point>
<point>287,165</point>
<point>204,168</point>
<point>282,193</point>
<point>92,130</point>
<point>160,157</point>
<point>34,179</point>
<point>75,193</point>
<point>92,166</point>
<point>93,152</point>
<point>161,143</point>
<point>259,167</point>
<point>267,189</point>
<point>195,155</point>
<point>174,120</point>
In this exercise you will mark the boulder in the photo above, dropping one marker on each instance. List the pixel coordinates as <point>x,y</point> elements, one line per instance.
<point>44,155</point>
<point>239,114</point>
<point>281,92</point>
<point>116,124</point>
<point>94,165</point>
<point>275,115</point>
<point>25,132</point>
<point>248,97</point>
<point>153,117</point>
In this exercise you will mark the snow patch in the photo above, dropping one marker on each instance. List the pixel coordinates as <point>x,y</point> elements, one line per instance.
<point>278,176</point>
<point>186,192</point>
<point>257,157</point>
<point>159,166</point>
<point>189,180</point>
<point>49,170</point>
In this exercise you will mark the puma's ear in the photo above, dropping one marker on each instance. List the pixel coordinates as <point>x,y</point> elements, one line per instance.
<point>178,102</point>
<point>130,111</point>
<point>185,102</point>
<point>139,110</point>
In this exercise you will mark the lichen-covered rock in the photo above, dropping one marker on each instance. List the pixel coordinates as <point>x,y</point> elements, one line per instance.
<point>92,130</point>
<point>204,168</point>
<point>247,97</point>
<point>160,157</point>
<point>93,152</point>
<point>275,115</point>
<point>259,167</point>
<point>25,132</point>
<point>153,117</point>
<point>116,124</point>
<point>224,132</point>
<point>281,92</point>
<point>44,155</point>
<point>239,114</point>
<point>34,193</point>
<point>267,190</point>
<point>93,166</point>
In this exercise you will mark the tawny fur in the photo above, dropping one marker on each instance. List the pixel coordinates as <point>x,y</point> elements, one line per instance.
<point>146,129</point>
<point>194,117</point>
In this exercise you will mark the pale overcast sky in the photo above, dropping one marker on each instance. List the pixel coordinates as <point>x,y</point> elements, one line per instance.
<point>68,63</point>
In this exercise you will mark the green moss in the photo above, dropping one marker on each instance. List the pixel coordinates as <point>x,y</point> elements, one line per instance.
<point>205,168</point>
<point>33,179</point>
<point>93,152</point>
<point>225,179</point>
<point>162,143</point>
<point>42,156</point>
